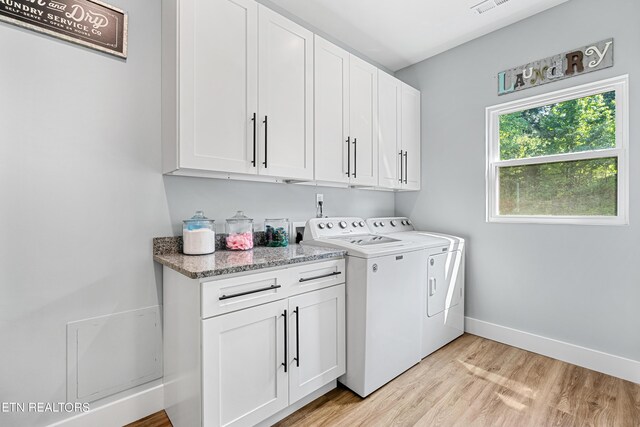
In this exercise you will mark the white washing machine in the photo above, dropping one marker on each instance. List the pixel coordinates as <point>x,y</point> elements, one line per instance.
<point>442,300</point>
<point>383,310</point>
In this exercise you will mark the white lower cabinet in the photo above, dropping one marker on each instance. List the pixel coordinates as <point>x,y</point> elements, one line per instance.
<point>244,379</point>
<point>243,350</point>
<point>317,337</point>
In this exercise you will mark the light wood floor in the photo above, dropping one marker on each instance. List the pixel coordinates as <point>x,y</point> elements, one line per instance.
<point>477,382</point>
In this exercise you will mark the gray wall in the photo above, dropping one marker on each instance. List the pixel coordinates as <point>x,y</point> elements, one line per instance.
<point>221,199</point>
<point>578,284</point>
<point>81,196</point>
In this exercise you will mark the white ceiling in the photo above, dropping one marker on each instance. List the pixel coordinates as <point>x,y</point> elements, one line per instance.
<point>399,33</point>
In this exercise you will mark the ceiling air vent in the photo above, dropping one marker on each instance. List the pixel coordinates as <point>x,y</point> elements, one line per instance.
<point>487,5</point>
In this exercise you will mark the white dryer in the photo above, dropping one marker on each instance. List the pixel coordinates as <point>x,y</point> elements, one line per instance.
<point>442,291</point>
<point>383,280</point>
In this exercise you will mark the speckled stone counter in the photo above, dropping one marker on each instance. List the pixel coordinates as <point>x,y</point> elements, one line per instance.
<point>228,262</point>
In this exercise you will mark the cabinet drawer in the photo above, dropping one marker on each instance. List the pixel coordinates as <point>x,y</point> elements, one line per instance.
<point>320,275</point>
<point>227,295</point>
<point>223,296</point>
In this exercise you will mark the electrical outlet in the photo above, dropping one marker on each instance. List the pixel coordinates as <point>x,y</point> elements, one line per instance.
<point>319,205</point>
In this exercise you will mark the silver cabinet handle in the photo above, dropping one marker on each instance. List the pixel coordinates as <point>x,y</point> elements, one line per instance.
<point>286,338</point>
<point>349,156</point>
<point>297,358</point>
<point>239,294</point>
<point>307,279</point>
<point>406,167</point>
<point>355,156</point>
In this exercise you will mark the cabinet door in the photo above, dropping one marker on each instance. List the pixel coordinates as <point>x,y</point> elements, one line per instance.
<point>363,123</point>
<point>244,381</point>
<point>317,337</point>
<point>436,284</point>
<point>331,111</point>
<point>285,97</point>
<point>444,281</point>
<point>389,143</point>
<point>218,84</point>
<point>411,137</point>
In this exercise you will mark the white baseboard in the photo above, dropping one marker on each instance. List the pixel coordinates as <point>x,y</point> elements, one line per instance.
<point>595,360</point>
<point>119,412</point>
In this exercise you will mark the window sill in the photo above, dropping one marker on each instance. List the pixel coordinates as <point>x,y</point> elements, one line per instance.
<point>559,220</point>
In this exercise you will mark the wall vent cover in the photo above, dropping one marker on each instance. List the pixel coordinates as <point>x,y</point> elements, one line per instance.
<point>487,5</point>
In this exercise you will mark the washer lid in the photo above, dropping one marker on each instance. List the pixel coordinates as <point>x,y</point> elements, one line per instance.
<point>367,240</point>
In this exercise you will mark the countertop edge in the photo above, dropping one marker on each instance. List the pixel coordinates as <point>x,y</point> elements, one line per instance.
<point>332,254</point>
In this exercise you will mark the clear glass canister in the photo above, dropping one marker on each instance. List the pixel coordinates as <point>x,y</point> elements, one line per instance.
<point>239,232</point>
<point>198,235</point>
<point>277,232</point>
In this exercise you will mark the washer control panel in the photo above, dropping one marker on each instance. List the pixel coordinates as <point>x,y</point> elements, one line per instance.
<point>390,225</point>
<point>333,227</point>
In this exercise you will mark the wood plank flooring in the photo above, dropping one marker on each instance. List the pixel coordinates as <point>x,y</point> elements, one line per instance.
<point>477,382</point>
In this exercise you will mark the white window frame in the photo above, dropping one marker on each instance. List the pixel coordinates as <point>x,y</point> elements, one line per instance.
<point>621,87</point>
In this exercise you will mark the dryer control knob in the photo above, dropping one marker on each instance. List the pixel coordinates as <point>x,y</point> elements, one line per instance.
<point>321,226</point>
<point>342,224</point>
<point>393,223</point>
<point>329,225</point>
<point>361,223</point>
<point>354,223</point>
<point>408,222</point>
<point>381,224</point>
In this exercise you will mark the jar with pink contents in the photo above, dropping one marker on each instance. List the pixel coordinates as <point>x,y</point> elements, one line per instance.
<point>239,232</point>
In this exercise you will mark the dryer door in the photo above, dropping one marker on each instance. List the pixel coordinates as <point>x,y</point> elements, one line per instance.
<point>442,272</point>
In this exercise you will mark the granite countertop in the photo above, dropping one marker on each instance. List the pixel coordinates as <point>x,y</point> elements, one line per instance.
<point>228,262</point>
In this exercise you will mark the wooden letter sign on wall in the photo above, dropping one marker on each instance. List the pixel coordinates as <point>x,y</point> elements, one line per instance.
<point>590,58</point>
<point>90,23</point>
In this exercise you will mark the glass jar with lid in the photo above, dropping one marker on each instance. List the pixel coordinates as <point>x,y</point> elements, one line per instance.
<point>198,235</point>
<point>239,232</point>
<point>277,232</point>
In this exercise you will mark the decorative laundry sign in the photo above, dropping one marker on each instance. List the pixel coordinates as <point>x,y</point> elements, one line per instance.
<point>590,58</point>
<point>90,23</point>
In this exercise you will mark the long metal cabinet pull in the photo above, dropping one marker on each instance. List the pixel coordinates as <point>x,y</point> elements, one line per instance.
<point>286,338</point>
<point>406,167</point>
<point>297,358</point>
<point>349,156</point>
<point>266,123</point>
<point>401,169</point>
<point>306,279</point>
<point>239,294</point>
<point>355,156</point>
<point>253,162</point>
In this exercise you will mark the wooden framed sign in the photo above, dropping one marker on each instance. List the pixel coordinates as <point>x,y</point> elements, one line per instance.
<point>587,59</point>
<point>90,23</point>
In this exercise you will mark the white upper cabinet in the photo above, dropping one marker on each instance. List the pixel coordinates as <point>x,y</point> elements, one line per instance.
<point>248,94</point>
<point>389,140</point>
<point>216,54</point>
<point>331,112</point>
<point>346,117</point>
<point>217,86</point>
<point>285,97</point>
<point>363,122</point>
<point>411,137</point>
<point>399,140</point>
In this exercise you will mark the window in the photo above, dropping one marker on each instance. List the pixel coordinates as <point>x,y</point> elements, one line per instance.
<point>560,157</point>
